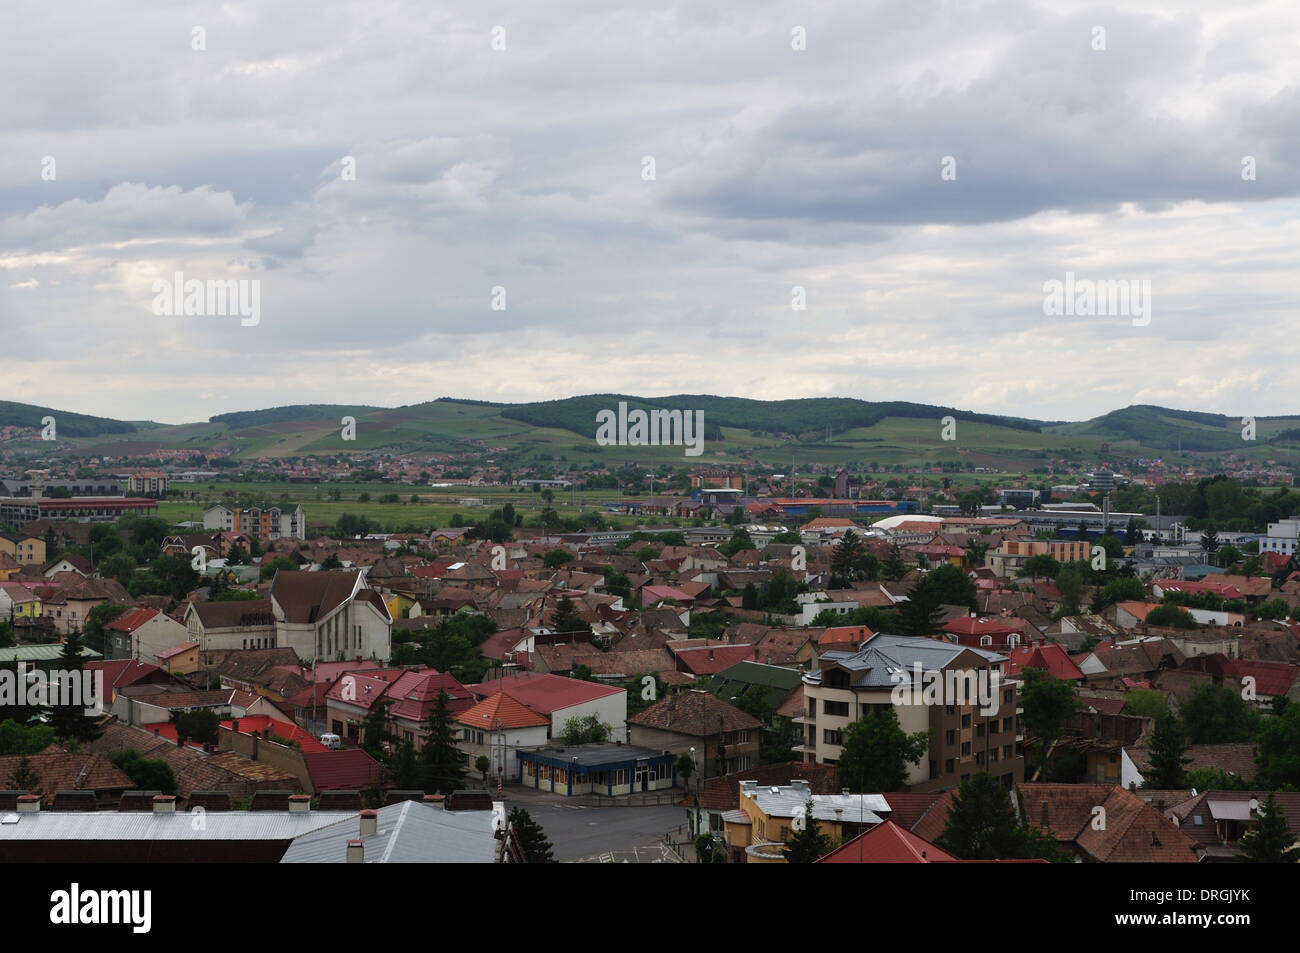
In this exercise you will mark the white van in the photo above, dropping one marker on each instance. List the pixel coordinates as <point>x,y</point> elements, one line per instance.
<point>333,742</point>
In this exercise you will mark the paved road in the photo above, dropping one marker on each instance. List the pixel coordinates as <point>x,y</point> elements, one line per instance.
<point>601,834</point>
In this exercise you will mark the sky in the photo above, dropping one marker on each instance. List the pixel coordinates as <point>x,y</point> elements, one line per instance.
<point>527,201</point>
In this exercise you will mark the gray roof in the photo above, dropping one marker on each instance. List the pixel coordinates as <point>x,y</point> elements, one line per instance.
<point>408,833</point>
<point>883,654</point>
<point>145,825</point>
<point>788,801</point>
<point>41,653</point>
<point>595,755</point>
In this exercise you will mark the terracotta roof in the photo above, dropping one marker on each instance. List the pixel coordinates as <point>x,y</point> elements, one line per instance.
<point>695,713</point>
<point>546,694</point>
<point>349,769</point>
<point>503,710</point>
<point>1134,831</point>
<point>60,770</point>
<point>226,615</point>
<point>130,621</point>
<point>887,843</point>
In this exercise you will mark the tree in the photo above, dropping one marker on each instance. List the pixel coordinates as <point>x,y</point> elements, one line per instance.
<point>119,566</point>
<point>1269,839</point>
<point>749,597</point>
<point>1144,703</point>
<point>1125,589</point>
<point>200,725</point>
<point>981,824</point>
<point>566,619</point>
<point>269,569</point>
<point>149,774</point>
<point>1210,541</point>
<point>976,550</point>
<point>846,560</point>
<point>1047,702</point>
<point>374,729</point>
<point>1217,715</point>
<point>809,844</point>
<point>97,618</point>
<point>921,614</point>
<point>952,586</point>
<point>893,568</point>
<point>7,636</point>
<point>1070,580</point>
<point>444,763</point>
<point>404,767</point>
<point>16,738</point>
<point>1040,565</point>
<point>555,558</point>
<point>877,752</point>
<point>71,721</point>
<point>530,837</point>
<point>685,767</point>
<point>483,765</point>
<point>1170,616</point>
<point>1168,766</point>
<point>1278,757</point>
<point>585,730</point>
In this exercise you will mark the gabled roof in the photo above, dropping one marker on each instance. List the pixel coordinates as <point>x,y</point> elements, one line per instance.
<point>131,620</point>
<point>547,694</point>
<point>305,597</point>
<point>887,843</point>
<point>501,710</point>
<point>694,713</point>
<point>349,769</point>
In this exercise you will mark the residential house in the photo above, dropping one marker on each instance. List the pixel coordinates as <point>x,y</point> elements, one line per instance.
<point>720,738</point>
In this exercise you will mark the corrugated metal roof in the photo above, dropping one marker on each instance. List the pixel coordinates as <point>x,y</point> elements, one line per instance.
<point>40,653</point>
<point>408,833</point>
<point>784,801</point>
<point>183,825</point>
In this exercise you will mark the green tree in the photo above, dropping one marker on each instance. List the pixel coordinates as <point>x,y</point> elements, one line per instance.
<point>1170,616</point>
<point>921,614</point>
<point>444,763</point>
<point>200,725</point>
<point>16,738</point>
<point>952,586</point>
<point>981,824</point>
<point>1144,703</point>
<point>555,558</point>
<point>585,730</point>
<point>893,568</point>
<point>404,769</point>
<point>24,777</point>
<point>71,721</point>
<point>1217,715</point>
<point>1040,565</point>
<point>876,753</point>
<point>808,845</point>
<point>529,836</point>
<point>1278,757</point>
<point>1070,581</point>
<point>846,559</point>
<point>685,767</point>
<point>270,568</point>
<point>149,774</point>
<point>483,765</point>
<point>1047,702</point>
<point>97,619</point>
<point>1168,766</point>
<point>1269,839</point>
<point>374,729</point>
<point>566,618</point>
<point>119,566</point>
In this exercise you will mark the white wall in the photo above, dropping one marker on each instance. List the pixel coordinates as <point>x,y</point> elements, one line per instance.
<point>612,710</point>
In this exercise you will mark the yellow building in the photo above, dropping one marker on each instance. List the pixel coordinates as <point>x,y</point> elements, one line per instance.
<point>26,550</point>
<point>399,604</point>
<point>18,601</point>
<point>770,815</point>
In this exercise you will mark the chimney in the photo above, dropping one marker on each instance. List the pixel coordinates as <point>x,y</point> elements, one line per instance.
<point>164,804</point>
<point>356,852</point>
<point>29,803</point>
<point>369,823</point>
<point>434,800</point>
<point>299,803</point>
<point>801,787</point>
<point>710,653</point>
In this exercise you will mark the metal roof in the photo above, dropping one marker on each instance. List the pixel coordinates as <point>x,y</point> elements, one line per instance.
<point>882,654</point>
<point>40,653</point>
<point>181,825</point>
<point>408,833</point>
<point>787,801</point>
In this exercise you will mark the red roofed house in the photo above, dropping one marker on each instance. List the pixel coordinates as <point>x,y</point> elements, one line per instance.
<point>982,633</point>
<point>709,659</point>
<point>142,634</point>
<point>120,673</point>
<point>414,694</point>
<point>558,699</point>
<point>180,659</point>
<point>1047,655</point>
<point>887,843</point>
<point>498,726</point>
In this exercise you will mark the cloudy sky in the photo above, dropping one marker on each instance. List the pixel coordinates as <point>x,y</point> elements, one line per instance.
<point>649,183</point>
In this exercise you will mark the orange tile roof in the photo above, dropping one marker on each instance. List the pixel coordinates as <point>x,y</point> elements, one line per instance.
<point>504,710</point>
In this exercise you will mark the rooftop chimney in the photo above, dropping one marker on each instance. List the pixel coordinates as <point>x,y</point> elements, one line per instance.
<point>356,852</point>
<point>369,823</point>
<point>299,803</point>
<point>800,787</point>
<point>164,804</point>
<point>29,803</point>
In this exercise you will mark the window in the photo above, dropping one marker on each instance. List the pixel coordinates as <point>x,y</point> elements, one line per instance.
<point>832,737</point>
<point>993,754</point>
<point>950,709</point>
<point>1006,724</point>
<point>1006,752</point>
<point>836,708</point>
<point>934,769</point>
<point>812,708</point>
<point>965,721</point>
<point>949,766</point>
<point>950,737</point>
<point>742,738</point>
<point>965,748</point>
<point>979,730</point>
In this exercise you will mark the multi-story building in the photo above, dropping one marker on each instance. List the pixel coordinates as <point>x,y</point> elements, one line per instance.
<point>956,693</point>
<point>147,483</point>
<point>26,550</point>
<point>1007,559</point>
<point>264,521</point>
<point>1283,537</point>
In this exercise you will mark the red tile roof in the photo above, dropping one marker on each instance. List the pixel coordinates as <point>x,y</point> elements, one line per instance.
<point>131,620</point>
<point>1048,655</point>
<point>547,694</point>
<point>349,769</point>
<point>887,843</point>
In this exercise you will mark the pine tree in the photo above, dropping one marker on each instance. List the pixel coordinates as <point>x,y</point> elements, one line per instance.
<point>1167,746</point>
<point>71,721</point>
<point>981,824</point>
<point>566,618</point>
<point>530,837</point>
<point>374,730</point>
<point>809,844</point>
<point>1269,839</point>
<point>893,568</point>
<point>921,614</point>
<point>845,560</point>
<point>443,762</point>
<point>404,768</point>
